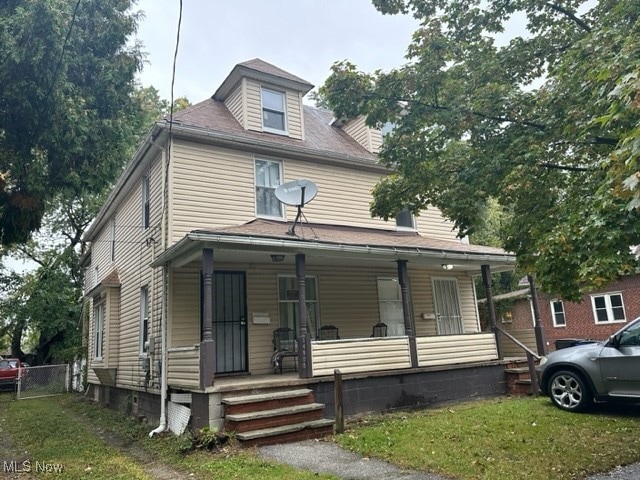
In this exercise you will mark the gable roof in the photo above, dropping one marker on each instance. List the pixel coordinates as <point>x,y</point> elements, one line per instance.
<point>321,138</point>
<point>261,71</point>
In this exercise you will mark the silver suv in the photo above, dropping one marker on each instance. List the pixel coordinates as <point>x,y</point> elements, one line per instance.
<point>576,377</point>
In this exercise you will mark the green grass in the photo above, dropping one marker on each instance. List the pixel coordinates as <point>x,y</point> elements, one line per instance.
<point>57,430</point>
<point>520,438</point>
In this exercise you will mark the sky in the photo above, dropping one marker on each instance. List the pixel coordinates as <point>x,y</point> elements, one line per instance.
<point>303,37</point>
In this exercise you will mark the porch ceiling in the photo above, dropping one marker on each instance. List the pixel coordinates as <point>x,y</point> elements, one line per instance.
<point>255,241</point>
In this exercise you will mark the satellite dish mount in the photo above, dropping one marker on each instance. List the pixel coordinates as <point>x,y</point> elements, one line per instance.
<point>296,193</point>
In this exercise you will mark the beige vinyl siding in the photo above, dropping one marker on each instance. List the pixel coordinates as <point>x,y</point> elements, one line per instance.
<point>510,349</point>
<point>363,355</point>
<point>375,139</point>
<point>210,188</point>
<point>294,114</point>
<point>112,331</point>
<point>235,103</point>
<point>253,105</point>
<point>431,223</point>
<point>422,301</point>
<point>183,370</point>
<point>358,130</point>
<point>135,249</point>
<point>184,312</point>
<point>451,349</point>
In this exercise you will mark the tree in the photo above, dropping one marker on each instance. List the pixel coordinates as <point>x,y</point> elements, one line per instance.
<point>66,82</point>
<point>547,124</point>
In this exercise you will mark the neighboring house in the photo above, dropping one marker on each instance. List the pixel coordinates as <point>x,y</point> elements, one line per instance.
<point>194,263</point>
<point>600,313</point>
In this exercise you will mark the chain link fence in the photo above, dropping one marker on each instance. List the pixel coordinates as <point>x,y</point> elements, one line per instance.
<point>43,381</point>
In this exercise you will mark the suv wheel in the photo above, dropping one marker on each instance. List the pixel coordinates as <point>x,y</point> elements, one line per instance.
<point>569,392</point>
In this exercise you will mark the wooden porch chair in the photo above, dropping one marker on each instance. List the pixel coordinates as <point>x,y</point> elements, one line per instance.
<point>284,345</point>
<point>379,330</point>
<point>329,332</point>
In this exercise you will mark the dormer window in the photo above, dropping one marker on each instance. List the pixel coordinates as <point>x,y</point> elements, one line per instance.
<point>273,111</point>
<point>405,220</point>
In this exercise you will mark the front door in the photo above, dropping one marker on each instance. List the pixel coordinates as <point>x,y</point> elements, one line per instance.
<point>230,321</point>
<point>447,306</point>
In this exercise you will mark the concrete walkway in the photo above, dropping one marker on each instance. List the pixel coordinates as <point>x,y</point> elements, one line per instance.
<point>328,457</point>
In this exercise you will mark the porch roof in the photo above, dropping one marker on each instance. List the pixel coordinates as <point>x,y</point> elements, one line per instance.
<point>340,242</point>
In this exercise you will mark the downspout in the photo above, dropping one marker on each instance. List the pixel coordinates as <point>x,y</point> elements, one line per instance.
<point>163,319</point>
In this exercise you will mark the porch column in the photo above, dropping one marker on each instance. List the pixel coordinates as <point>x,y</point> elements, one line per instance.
<point>207,345</point>
<point>304,342</point>
<point>486,281</point>
<point>541,345</point>
<point>409,326</point>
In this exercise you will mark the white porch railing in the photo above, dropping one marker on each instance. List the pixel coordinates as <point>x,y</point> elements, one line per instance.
<point>360,355</point>
<point>451,349</point>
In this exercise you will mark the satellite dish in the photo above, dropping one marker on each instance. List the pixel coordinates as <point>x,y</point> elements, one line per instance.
<point>297,192</point>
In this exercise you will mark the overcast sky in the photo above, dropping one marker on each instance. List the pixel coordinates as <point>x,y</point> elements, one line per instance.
<point>303,37</point>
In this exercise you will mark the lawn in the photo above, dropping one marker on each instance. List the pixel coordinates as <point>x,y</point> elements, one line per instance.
<point>516,438</point>
<point>60,431</point>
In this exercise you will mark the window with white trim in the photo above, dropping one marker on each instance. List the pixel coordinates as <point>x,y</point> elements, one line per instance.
<point>288,295</point>
<point>146,202</point>
<point>390,305</point>
<point>268,176</point>
<point>98,315</point>
<point>608,308</point>
<point>557,311</point>
<point>273,111</point>
<point>144,319</point>
<point>405,220</point>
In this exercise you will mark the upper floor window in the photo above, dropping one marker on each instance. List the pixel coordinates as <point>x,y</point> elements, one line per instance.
<point>268,177</point>
<point>113,239</point>
<point>145,202</point>
<point>557,310</point>
<point>405,220</point>
<point>144,319</point>
<point>608,308</point>
<point>98,314</point>
<point>273,111</point>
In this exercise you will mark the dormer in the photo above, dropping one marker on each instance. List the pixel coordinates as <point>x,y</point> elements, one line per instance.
<point>265,98</point>
<point>356,128</point>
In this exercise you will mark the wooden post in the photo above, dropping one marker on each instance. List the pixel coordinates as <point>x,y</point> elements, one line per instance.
<point>537,325</point>
<point>409,329</point>
<point>304,343</point>
<point>486,281</point>
<point>337,400</point>
<point>207,345</point>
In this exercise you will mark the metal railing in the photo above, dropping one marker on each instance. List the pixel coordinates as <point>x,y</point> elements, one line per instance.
<point>531,358</point>
<point>44,381</point>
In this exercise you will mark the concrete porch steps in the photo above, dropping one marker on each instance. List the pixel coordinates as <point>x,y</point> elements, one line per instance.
<point>279,416</point>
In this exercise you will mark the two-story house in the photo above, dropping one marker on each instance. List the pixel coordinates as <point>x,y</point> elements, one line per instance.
<point>196,266</point>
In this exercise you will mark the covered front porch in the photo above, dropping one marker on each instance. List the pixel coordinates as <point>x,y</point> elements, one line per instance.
<point>230,290</point>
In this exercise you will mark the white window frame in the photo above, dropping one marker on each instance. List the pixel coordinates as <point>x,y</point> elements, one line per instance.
<point>146,202</point>
<point>554,313</point>
<point>99,311</point>
<point>412,228</point>
<point>281,322</point>
<point>255,187</point>
<point>112,242</point>
<point>608,308</point>
<point>396,328</point>
<point>144,319</point>
<point>265,128</point>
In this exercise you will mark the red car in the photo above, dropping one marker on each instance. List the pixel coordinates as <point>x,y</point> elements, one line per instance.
<point>10,368</point>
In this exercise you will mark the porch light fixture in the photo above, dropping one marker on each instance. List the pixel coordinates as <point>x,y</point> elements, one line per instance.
<point>447,266</point>
<point>277,258</point>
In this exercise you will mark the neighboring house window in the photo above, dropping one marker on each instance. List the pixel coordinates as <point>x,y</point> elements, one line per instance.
<point>405,220</point>
<point>268,177</point>
<point>557,310</point>
<point>113,239</point>
<point>288,303</point>
<point>390,305</point>
<point>144,319</point>
<point>273,111</point>
<point>145,202</point>
<point>608,308</point>
<point>98,313</point>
